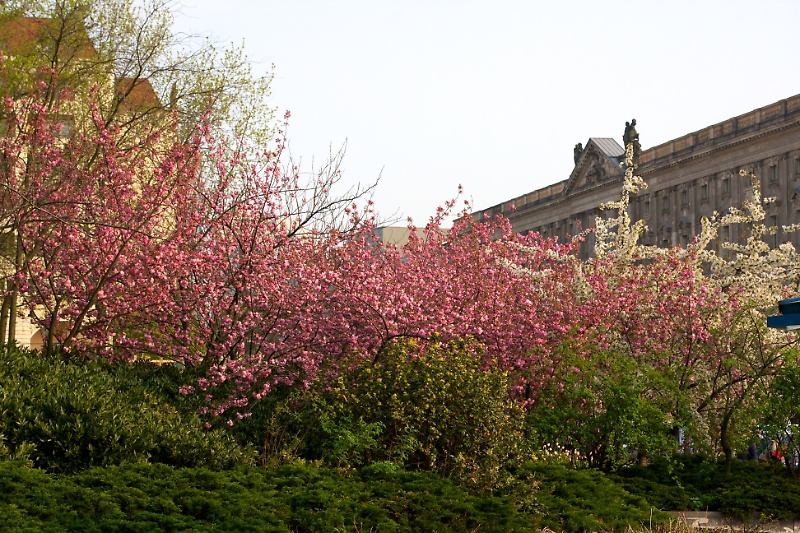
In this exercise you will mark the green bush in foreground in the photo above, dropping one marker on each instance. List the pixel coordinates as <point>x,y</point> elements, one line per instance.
<point>306,498</point>
<point>693,482</point>
<point>570,500</point>
<point>156,497</point>
<point>65,417</point>
<point>291,498</point>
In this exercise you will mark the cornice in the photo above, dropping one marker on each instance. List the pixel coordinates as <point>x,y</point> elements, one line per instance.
<point>674,160</point>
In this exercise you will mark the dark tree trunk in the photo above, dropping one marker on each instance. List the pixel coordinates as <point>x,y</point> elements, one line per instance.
<point>725,441</point>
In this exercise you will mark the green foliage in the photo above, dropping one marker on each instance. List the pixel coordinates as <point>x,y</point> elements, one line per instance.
<point>574,500</point>
<point>604,410</point>
<point>281,424</point>
<point>694,482</point>
<point>426,409</point>
<point>65,417</point>
<point>780,410</point>
<point>290,498</point>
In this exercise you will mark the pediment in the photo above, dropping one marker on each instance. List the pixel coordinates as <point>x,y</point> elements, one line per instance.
<point>599,162</point>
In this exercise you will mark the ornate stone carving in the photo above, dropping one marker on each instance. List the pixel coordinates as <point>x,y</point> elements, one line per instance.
<point>597,170</point>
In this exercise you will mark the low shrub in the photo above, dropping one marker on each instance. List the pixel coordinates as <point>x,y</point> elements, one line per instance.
<point>432,409</point>
<point>435,409</point>
<point>695,482</point>
<point>67,416</point>
<point>290,498</point>
<point>577,500</point>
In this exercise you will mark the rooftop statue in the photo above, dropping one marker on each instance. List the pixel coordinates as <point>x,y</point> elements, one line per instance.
<point>631,136</point>
<point>577,152</point>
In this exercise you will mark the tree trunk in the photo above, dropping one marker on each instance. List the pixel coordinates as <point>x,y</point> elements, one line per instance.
<point>641,457</point>
<point>4,311</point>
<point>12,316</point>
<point>725,441</point>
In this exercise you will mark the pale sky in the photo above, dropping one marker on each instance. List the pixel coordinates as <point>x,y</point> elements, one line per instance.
<point>495,94</point>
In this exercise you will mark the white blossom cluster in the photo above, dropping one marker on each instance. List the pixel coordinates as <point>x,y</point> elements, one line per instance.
<point>761,274</point>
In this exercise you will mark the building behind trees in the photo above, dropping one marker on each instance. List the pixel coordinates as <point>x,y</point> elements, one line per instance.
<point>688,178</point>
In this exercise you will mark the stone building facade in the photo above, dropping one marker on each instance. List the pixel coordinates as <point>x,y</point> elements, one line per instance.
<point>688,178</point>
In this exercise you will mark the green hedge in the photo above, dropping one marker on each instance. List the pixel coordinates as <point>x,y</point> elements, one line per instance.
<point>65,417</point>
<point>155,497</point>
<point>576,500</point>
<point>290,498</point>
<point>695,482</point>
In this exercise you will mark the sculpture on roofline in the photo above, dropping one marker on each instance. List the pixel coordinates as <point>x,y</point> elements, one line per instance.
<point>631,136</point>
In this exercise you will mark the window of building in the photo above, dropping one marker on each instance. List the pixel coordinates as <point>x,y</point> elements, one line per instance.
<point>684,198</point>
<point>665,203</point>
<point>773,173</point>
<point>797,167</point>
<point>726,185</point>
<point>704,192</point>
<point>725,233</point>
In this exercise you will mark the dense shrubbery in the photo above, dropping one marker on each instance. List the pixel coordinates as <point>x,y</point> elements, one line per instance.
<point>419,408</point>
<point>604,414</point>
<point>693,482</point>
<point>433,408</point>
<point>65,417</point>
<point>566,499</point>
<point>290,498</point>
<point>304,498</point>
<point>151,497</point>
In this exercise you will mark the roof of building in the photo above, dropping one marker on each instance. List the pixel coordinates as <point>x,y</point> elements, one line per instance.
<point>137,94</point>
<point>24,35</point>
<point>21,35</point>
<point>609,146</point>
